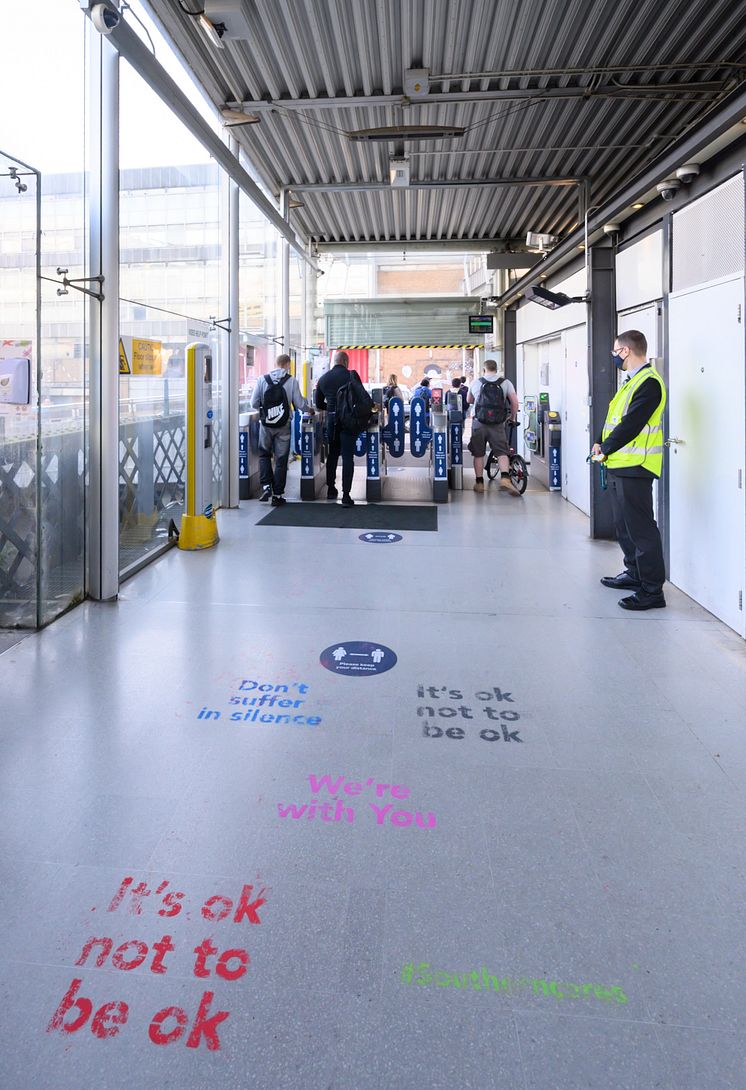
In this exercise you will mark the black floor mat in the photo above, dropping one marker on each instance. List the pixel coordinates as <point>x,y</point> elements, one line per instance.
<point>363,516</point>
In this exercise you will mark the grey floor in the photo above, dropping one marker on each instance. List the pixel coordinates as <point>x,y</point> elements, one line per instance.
<point>587,853</point>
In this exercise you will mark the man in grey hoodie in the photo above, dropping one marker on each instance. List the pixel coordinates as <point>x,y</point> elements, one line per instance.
<point>283,391</point>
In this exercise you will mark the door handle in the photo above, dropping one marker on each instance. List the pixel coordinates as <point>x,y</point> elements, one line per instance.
<point>675,442</point>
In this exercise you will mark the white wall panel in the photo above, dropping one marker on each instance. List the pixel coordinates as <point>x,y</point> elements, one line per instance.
<point>639,272</point>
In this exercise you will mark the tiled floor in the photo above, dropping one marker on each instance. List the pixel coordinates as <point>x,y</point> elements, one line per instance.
<point>544,893</point>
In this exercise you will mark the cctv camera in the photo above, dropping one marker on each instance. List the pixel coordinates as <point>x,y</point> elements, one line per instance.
<point>688,172</point>
<point>668,188</point>
<point>105,18</point>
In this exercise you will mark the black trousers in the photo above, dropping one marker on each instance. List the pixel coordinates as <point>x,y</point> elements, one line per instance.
<point>637,531</point>
<point>341,442</point>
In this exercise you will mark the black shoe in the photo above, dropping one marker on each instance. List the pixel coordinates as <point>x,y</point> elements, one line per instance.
<point>277,501</point>
<point>623,581</point>
<point>331,492</point>
<point>266,495</point>
<point>643,600</point>
<point>347,500</point>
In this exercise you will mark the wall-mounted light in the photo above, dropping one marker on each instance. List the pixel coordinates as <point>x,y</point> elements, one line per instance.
<point>552,300</point>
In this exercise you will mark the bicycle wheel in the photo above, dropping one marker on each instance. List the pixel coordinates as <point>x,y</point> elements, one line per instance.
<point>492,469</point>
<point>518,472</point>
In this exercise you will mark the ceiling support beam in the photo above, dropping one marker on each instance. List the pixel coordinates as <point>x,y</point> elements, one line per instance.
<point>354,102</point>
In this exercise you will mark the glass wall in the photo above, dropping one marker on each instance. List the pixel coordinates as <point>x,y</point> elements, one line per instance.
<point>170,254</point>
<point>43,444</point>
<point>260,304</point>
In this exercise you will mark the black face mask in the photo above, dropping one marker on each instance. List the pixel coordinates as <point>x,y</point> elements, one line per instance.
<point>618,360</point>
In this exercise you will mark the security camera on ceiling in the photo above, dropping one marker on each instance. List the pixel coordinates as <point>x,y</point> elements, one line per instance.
<point>105,18</point>
<point>669,188</point>
<point>687,173</point>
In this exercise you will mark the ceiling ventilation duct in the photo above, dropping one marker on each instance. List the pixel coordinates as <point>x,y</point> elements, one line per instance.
<point>399,173</point>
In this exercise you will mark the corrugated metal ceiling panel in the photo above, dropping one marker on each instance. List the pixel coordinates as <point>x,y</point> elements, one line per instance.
<point>331,48</point>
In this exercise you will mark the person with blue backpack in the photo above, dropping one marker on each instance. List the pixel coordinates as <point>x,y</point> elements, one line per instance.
<point>274,395</point>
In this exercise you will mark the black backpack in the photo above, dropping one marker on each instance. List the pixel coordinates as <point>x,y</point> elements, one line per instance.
<point>354,407</point>
<point>274,411</point>
<point>491,407</point>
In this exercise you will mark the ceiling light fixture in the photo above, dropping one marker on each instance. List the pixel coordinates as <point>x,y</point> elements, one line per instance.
<point>231,118</point>
<point>406,132</point>
<point>214,31</point>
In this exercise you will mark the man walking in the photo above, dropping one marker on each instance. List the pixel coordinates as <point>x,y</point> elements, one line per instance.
<point>631,445</point>
<point>274,395</point>
<point>340,441</point>
<point>494,400</point>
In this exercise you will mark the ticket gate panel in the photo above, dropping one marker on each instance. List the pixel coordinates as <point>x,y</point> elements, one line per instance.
<point>312,457</point>
<point>393,433</point>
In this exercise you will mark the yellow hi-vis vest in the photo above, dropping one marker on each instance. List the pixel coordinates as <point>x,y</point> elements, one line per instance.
<point>646,449</point>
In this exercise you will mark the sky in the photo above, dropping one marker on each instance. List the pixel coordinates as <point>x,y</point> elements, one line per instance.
<point>42,89</point>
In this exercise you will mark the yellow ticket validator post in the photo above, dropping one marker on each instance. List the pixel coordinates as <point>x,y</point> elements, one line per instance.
<point>199,525</point>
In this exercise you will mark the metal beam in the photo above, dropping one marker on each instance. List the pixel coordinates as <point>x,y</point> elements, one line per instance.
<point>601,370</point>
<point>712,131</point>
<point>459,183</point>
<point>354,102</point>
<point>510,352</point>
<point>103,317</point>
<point>129,46</point>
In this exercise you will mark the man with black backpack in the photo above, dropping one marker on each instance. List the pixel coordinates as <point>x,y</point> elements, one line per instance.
<point>274,395</point>
<point>494,400</point>
<point>349,408</point>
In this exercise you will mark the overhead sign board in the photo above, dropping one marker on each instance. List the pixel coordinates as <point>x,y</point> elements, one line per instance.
<point>481,323</point>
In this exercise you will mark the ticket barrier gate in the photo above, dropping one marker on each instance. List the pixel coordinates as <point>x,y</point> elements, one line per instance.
<point>455,413</point>
<point>248,454</point>
<point>543,438</point>
<point>312,456</point>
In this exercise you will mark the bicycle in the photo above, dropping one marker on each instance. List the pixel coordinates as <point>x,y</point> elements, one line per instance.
<point>517,467</point>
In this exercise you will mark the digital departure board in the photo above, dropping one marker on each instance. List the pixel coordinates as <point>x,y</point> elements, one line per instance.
<point>481,323</point>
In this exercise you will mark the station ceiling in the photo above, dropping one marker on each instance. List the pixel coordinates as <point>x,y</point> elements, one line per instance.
<point>561,101</point>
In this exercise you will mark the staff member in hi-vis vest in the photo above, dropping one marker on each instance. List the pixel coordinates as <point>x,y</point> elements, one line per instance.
<point>631,446</point>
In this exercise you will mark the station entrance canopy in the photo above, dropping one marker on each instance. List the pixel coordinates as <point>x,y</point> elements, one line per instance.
<point>401,323</point>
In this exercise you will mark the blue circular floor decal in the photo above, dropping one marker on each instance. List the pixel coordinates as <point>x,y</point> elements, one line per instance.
<point>379,537</point>
<point>357,659</point>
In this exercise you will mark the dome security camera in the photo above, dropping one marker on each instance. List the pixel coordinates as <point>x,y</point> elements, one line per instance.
<point>687,173</point>
<point>105,18</point>
<point>669,188</point>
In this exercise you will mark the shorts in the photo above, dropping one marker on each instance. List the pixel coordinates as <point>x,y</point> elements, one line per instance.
<point>482,434</point>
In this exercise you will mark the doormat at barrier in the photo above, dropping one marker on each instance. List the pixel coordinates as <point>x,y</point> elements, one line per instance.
<point>363,516</point>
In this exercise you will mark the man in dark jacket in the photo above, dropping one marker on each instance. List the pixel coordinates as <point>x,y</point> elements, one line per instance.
<point>340,442</point>
<point>631,445</point>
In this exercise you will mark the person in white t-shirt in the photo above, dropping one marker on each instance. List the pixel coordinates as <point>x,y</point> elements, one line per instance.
<point>495,401</point>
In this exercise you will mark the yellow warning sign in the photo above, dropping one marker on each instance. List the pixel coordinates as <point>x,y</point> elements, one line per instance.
<point>146,357</point>
<point>124,365</point>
